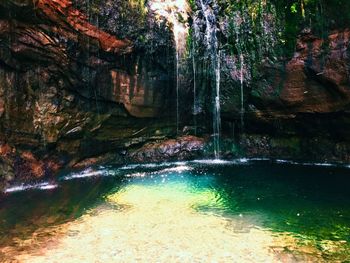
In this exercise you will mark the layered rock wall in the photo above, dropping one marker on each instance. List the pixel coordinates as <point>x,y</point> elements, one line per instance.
<point>64,82</point>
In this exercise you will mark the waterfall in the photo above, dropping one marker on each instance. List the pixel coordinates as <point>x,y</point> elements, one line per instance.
<point>216,116</point>
<point>242,91</point>
<point>194,87</point>
<point>215,55</point>
<point>180,32</point>
<point>177,91</point>
<point>176,14</point>
<point>210,31</point>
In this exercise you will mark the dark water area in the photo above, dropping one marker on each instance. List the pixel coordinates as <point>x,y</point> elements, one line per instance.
<point>188,211</point>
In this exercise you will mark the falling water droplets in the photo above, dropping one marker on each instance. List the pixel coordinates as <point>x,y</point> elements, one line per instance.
<point>194,87</point>
<point>176,14</point>
<point>217,117</point>
<point>214,53</point>
<point>242,90</point>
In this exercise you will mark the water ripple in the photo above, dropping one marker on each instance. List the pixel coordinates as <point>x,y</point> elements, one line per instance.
<point>24,187</point>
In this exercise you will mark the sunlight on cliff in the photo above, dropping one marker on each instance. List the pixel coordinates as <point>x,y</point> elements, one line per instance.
<point>176,14</point>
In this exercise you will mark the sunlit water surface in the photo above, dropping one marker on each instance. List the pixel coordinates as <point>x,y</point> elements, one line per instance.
<point>244,211</point>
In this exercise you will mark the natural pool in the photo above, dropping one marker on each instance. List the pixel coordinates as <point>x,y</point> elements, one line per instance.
<point>200,211</point>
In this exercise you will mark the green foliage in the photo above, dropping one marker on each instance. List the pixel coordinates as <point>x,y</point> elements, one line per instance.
<point>293,8</point>
<point>320,16</point>
<point>123,18</point>
<point>189,41</point>
<point>250,35</point>
<point>192,4</point>
<point>139,5</point>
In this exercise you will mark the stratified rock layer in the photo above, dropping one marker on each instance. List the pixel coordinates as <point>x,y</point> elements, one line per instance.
<point>73,94</point>
<point>63,81</point>
<point>181,148</point>
<point>315,80</point>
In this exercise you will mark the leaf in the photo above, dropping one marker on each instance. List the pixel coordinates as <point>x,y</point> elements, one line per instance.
<point>293,8</point>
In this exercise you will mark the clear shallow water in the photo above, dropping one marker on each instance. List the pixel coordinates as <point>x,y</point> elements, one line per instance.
<point>201,211</point>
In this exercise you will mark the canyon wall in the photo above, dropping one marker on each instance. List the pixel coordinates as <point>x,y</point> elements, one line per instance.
<point>70,90</point>
<point>83,82</point>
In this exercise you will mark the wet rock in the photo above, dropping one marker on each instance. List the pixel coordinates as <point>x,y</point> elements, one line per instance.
<point>182,148</point>
<point>103,159</point>
<point>47,47</point>
<point>74,132</point>
<point>66,73</point>
<point>19,165</point>
<point>315,80</point>
<point>318,149</point>
<point>7,173</point>
<point>35,167</point>
<point>70,20</point>
<point>141,92</point>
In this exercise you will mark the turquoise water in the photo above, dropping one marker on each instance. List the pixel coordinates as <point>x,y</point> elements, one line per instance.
<point>243,211</point>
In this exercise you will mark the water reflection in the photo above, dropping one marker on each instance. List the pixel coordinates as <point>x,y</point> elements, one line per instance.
<point>175,214</point>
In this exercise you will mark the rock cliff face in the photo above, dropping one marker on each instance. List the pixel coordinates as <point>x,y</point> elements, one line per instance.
<point>306,99</point>
<point>308,95</point>
<point>81,84</point>
<point>275,103</point>
<point>64,82</point>
<point>315,80</point>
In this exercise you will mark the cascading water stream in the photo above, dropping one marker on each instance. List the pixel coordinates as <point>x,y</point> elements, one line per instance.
<point>207,22</point>
<point>180,35</point>
<point>177,91</point>
<point>214,53</point>
<point>242,91</point>
<point>179,39</point>
<point>217,117</point>
<point>194,88</point>
<point>176,14</point>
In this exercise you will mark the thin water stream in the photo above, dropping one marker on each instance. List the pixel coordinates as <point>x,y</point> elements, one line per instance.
<point>217,108</point>
<point>242,90</point>
<point>214,54</point>
<point>176,14</point>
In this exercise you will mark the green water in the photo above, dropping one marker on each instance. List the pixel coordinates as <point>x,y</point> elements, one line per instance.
<point>182,212</point>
